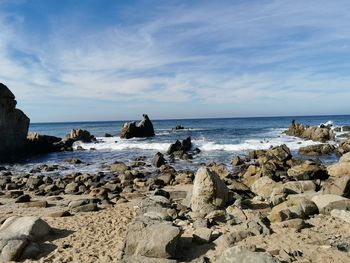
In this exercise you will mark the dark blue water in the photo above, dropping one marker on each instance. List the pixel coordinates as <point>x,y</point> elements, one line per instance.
<point>219,139</point>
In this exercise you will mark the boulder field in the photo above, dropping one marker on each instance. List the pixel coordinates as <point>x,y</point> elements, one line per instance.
<point>214,214</point>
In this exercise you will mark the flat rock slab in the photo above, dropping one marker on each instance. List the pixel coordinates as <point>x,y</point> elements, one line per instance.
<point>341,214</point>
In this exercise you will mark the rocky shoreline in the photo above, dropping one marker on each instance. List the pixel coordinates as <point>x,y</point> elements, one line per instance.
<point>269,206</point>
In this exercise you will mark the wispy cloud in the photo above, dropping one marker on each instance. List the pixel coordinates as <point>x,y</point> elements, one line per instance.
<point>204,54</point>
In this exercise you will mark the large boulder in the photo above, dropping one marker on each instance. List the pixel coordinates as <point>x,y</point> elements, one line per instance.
<point>143,129</point>
<point>264,187</point>
<point>209,192</point>
<point>238,254</point>
<point>14,126</point>
<point>18,236</point>
<point>319,134</point>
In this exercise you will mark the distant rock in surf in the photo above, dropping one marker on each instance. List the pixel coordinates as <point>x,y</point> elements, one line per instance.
<point>78,135</point>
<point>143,129</point>
<point>14,126</point>
<point>320,134</point>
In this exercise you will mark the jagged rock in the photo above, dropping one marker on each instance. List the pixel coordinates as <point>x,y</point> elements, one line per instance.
<point>143,129</point>
<point>238,254</point>
<point>14,126</point>
<point>293,208</point>
<point>319,134</point>
<point>183,146</point>
<point>317,150</point>
<point>209,192</point>
<point>220,170</point>
<point>344,147</point>
<point>308,170</point>
<point>158,160</point>
<point>78,135</point>
<point>280,153</point>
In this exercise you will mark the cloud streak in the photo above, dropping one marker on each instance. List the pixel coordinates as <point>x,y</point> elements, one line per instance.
<point>224,58</point>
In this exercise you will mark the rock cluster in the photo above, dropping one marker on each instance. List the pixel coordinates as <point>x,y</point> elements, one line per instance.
<point>14,126</point>
<point>320,134</point>
<point>143,129</point>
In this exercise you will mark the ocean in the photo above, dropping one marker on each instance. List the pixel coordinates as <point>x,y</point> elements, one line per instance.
<point>218,139</point>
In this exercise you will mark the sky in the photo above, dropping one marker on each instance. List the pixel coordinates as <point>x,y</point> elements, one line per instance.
<point>71,60</point>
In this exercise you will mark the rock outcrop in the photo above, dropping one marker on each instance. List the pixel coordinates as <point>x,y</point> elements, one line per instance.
<point>14,126</point>
<point>319,134</point>
<point>143,129</point>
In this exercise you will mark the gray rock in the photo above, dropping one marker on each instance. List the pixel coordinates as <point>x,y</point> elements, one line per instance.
<point>238,254</point>
<point>32,227</point>
<point>144,239</point>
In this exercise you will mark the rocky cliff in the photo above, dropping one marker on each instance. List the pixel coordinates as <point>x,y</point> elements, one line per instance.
<point>14,126</point>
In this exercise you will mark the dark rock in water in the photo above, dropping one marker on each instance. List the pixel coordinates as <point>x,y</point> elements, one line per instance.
<point>37,144</point>
<point>178,128</point>
<point>143,129</point>
<point>184,146</point>
<point>78,135</point>
<point>158,160</point>
<point>316,150</point>
<point>320,134</point>
<point>14,126</point>
<point>108,135</point>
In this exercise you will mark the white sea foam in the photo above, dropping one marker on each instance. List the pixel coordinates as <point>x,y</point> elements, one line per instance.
<point>117,144</point>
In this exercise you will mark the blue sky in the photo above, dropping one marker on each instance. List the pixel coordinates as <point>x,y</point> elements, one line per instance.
<point>111,60</point>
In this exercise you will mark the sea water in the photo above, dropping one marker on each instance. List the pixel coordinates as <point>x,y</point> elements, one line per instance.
<point>218,139</point>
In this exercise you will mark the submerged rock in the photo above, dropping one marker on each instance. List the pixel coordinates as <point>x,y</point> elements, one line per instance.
<point>143,129</point>
<point>14,126</point>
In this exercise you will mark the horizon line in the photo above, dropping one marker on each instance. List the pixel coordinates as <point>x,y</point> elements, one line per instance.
<point>197,118</point>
